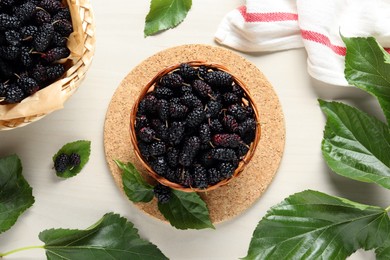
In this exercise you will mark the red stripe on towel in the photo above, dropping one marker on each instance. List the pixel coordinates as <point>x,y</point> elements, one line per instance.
<point>324,40</point>
<point>266,17</point>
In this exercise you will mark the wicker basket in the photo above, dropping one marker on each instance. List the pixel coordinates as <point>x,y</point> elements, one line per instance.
<point>77,65</point>
<point>150,86</point>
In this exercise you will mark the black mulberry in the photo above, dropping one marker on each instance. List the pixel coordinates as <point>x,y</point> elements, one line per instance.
<point>219,79</point>
<point>157,149</point>
<point>147,134</point>
<point>226,169</point>
<point>199,177</point>
<point>43,38</point>
<point>223,154</point>
<point>171,80</point>
<point>176,133</point>
<point>74,160</point>
<point>61,163</point>
<point>8,22</point>
<point>187,72</point>
<point>202,89</point>
<point>55,54</point>
<point>195,117</point>
<point>163,109</point>
<point>162,193</point>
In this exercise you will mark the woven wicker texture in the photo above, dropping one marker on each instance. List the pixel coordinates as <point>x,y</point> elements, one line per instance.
<point>78,64</point>
<point>247,99</point>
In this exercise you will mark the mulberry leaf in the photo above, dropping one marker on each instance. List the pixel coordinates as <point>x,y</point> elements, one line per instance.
<point>367,66</point>
<point>356,145</point>
<point>15,193</point>
<point>186,210</point>
<point>314,225</point>
<point>112,237</point>
<point>165,14</point>
<point>135,187</point>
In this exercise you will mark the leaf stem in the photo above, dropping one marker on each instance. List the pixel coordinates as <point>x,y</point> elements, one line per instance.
<point>387,209</point>
<point>20,249</point>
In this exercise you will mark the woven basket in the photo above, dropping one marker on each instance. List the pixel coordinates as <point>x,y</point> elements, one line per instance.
<point>150,86</point>
<point>77,65</point>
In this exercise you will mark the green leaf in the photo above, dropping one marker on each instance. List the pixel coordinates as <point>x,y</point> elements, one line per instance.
<point>15,192</point>
<point>165,14</point>
<point>367,67</point>
<point>81,147</point>
<point>112,237</point>
<point>186,210</point>
<point>383,252</point>
<point>314,225</point>
<point>356,145</point>
<point>135,187</point>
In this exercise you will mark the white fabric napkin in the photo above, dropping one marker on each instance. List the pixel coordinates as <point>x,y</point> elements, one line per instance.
<point>273,25</point>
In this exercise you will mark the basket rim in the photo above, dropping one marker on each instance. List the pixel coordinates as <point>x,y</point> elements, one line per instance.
<point>242,163</point>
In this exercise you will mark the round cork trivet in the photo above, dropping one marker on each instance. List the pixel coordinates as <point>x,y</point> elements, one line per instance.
<point>238,195</point>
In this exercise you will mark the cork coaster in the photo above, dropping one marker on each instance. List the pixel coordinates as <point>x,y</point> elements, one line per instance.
<point>234,198</point>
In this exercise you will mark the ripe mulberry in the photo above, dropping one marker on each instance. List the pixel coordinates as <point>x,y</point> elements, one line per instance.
<point>223,154</point>
<point>213,108</point>
<point>25,11</point>
<point>195,117</point>
<point>215,126</point>
<point>238,112</point>
<point>171,80</point>
<point>163,93</point>
<point>163,109</point>
<point>162,193</point>
<point>43,38</point>
<point>202,89</point>
<point>172,157</point>
<point>147,134</point>
<point>55,54</point>
<point>8,22</point>
<point>227,140</point>
<point>160,166</point>
<point>204,134</point>
<point>52,6</point>
<point>177,111</point>
<point>230,124</point>
<point>74,160</point>
<point>199,177</point>
<point>218,79</point>
<point>214,176</point>
<point>28,85</point>
<point>190,100</point>
<point>157,149</point>
<point>61,163</point>
<point>63,27</point>
<point>14,94</point>
<point>187,72</point>
<point>226,169</point>
<point>176,133</point>
<point>230,98</point>
<point>189,151</point>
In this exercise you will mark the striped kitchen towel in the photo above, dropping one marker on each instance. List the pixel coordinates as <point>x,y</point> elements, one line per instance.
<point>273,25</point>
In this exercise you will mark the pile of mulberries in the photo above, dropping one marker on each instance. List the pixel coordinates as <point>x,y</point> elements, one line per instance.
<point>195,126</point>
<point>33,38</point>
